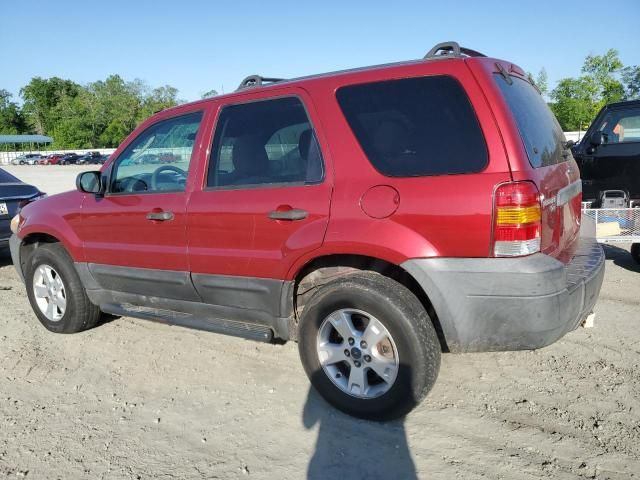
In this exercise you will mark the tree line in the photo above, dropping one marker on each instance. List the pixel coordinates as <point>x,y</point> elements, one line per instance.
<point>102,113</point>
<point>604,79</point>
<point>99,114</point>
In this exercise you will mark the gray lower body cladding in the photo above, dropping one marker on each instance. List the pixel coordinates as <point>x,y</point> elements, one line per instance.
<point>210,302</point>
<point>510,303</point>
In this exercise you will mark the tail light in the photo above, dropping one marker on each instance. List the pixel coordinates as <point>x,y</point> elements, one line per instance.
<point>517,219</point>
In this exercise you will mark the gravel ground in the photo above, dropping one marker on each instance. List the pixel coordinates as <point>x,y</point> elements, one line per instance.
<point>135,399</point>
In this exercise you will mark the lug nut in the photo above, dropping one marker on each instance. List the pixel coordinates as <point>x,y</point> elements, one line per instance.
<point>367,358</point>
<point>357,363</point>
<point>347,353</point>
<point>363,344</point>
<point>351,341</point>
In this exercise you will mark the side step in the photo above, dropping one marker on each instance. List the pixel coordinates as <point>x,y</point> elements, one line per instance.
<point>227,327</point>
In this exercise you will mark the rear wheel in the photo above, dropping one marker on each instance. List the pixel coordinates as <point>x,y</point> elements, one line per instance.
<point>56,293</point>
<point>635,252</point>
<point>368,346</point>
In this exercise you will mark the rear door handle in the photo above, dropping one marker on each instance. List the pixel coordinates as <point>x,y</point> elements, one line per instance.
<point>160,216</point>
<point>290,215</point>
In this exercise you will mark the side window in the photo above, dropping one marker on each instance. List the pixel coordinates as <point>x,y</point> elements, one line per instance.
<point>264,142</point>
<point>158,159</point>
<point>621,126</point>
<point>416,126</point>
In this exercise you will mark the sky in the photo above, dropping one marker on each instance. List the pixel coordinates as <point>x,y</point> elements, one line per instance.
<point>199,45</point>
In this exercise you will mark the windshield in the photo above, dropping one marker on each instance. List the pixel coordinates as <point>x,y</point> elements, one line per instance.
<point>540,131</point>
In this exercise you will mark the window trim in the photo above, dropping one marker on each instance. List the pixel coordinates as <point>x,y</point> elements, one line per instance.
<point>436,175</point>
<point>112,169</point>
<point>255,186</point>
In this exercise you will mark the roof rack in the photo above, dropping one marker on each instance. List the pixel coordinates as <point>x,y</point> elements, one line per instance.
<point>257,81</point>
<point>451,49</point>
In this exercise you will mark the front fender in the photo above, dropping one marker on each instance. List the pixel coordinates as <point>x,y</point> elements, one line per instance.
<point>57,216</point>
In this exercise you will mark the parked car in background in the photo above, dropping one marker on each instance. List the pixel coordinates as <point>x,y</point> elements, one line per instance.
<point>27,159</point>
<point>51,159</point>
<point>609,160</point>
<point>377,216</point>
<point>609,154</point>
<point>69,159</point>
<point>89,158</point>
<point>13,195</point>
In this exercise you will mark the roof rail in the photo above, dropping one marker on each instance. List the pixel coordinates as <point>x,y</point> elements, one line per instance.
<point>257,81</point>
<point>446,49</point>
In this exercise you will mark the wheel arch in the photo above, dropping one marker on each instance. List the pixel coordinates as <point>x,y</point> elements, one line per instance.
<point>323,269</point>
<point>30,242</point>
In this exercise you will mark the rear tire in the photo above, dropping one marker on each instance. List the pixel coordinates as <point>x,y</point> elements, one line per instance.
<point>404,343</point>
<point>56,293</point>
<point>635,252</point>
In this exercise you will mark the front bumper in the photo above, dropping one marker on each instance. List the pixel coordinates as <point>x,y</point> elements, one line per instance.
<point>14,246</point>
<point>494,304</point>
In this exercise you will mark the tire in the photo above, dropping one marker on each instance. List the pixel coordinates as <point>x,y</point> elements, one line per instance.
<point>635,252</point>
<point>366,297</point>
<point>79,313</point>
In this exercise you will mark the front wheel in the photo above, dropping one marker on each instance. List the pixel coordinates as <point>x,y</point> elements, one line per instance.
<point>368,346</point>
<point>56,293</point>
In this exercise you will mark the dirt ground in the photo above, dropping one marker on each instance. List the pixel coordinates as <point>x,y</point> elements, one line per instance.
<point>135,399</point>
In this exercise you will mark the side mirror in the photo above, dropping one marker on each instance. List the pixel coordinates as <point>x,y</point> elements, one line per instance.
<point>90,182</point>
<point>596,139</point>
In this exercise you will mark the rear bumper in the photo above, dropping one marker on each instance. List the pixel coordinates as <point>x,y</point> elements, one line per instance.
<point>494,304</point>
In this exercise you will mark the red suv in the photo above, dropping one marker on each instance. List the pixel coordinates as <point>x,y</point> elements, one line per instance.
<point>376,216</point>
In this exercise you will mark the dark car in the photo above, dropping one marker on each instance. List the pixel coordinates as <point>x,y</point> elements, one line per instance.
<point>609,159</point>
<point>69,159</point>
<point>93,159</point>
<point>13,194</point>
<point>376,216</point>
<point>609,154</point>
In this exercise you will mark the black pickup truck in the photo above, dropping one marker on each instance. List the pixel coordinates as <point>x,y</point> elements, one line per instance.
<point>609,158</point>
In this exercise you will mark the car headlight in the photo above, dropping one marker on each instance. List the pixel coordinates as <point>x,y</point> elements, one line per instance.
<point>15,223</point>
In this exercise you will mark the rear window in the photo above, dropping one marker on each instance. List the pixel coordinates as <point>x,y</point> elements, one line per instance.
<point>416,126</point>
<point>6,177</point>
<point>540,131</point>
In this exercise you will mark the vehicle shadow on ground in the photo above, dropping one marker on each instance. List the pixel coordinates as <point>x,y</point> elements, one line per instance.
<point>621,257</point>
<point>5,257</point>
<point>349,448</point>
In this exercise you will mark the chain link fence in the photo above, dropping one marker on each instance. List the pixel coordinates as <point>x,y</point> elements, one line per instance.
<point>615,224</point>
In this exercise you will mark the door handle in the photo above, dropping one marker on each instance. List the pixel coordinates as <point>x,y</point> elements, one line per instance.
<point>290,215</point>
<point>160,216</point>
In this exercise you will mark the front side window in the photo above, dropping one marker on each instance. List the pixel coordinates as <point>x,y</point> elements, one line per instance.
<point>415,126</point>
<point>621,126</point>
<point>158,159</point>
<point>267,142</point>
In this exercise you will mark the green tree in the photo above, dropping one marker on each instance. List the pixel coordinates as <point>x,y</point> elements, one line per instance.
<point>41,96</point>
<point>603,69</point>
<point>210,93</point>
<point>11,119</point>
<point>158,99</point>
<point>72,121</point>
<point>540,81</point>
<point>575,102</point>
<point>631,80</point>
